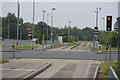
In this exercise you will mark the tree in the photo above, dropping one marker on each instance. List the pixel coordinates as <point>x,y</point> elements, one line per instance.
<point>12,25</point>
<point>112,38</point>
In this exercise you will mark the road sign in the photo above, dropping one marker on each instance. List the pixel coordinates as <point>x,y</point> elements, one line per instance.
<point>109,23</point>
<point>96,32</point>
<point>29,32</point>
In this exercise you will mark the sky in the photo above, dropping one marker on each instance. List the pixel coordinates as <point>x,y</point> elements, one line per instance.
<point>81,14</point>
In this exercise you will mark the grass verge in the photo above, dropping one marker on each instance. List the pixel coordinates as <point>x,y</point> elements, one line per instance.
<point>27,47</point>
<point>54,46</point>
<point>104,69</point>
<point>3,61</point>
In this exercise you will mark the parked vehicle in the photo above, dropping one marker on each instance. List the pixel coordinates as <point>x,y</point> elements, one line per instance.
<point>34,40</point>
<point>1,38</point>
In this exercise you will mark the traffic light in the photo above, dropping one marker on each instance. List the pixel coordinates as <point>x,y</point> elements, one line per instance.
<point>109,23</point>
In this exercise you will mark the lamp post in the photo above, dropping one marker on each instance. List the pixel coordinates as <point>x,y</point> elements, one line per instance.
<point>33,23</point>
<point>47,24</point>
<point>69,31</point>
<point>53,9</point>
<point>97,11</point>
<point>43,31</point>
<point>18,22</point>
<point>96,27</point>
<point>8,26</point>
<point>69,28</point>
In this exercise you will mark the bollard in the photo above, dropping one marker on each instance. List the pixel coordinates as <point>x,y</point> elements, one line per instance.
<point>13,46</point>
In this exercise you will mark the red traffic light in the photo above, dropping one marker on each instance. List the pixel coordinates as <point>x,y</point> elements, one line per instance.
<point>109,18</point>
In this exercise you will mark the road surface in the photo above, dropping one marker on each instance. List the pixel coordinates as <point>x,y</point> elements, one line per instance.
<point>59,69</point>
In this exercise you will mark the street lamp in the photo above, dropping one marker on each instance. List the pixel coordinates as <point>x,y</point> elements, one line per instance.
<point>47,24</point>
<point>43,31</point>
<point>33,23</point>
<point>8,26</point>
<point>97,11</point>
<point>69,28</point>
<point>96,27</point>
<point>18,22</point>
<point>53,9</point>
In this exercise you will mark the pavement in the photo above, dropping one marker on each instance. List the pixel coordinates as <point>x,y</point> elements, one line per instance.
<point>60,68</point>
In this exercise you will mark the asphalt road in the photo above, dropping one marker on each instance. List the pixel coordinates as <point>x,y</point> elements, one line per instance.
<point>79,52</point>
<point>80,55</point>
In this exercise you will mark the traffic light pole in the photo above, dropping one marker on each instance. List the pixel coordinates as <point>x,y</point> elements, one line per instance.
<point>106,44</point>
<point>119,39</point>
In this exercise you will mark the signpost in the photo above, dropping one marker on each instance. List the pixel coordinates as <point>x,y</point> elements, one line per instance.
<point>29,32</point>
<point>96,33</point>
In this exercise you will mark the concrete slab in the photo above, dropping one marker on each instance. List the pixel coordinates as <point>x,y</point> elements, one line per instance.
<point>61,68</point>
<point>69,69</point>
<point>20,69</point>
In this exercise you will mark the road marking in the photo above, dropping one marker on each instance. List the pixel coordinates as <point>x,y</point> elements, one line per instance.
<point>19,69</point>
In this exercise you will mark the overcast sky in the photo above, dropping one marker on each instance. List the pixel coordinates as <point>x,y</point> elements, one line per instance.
<point>81,14</point>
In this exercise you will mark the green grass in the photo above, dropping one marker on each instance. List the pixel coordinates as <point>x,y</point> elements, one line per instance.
<point>54,46</point>
<point>3,61</point>
<point>104,47</point>
<point>84,45</point>
<point>27,47</point>
<point>104,69</point>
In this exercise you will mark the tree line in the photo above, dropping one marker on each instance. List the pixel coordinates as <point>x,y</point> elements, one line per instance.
<point>85,34</point>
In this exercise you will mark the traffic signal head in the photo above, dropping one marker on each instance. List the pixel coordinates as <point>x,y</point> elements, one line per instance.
<point>109,23</point>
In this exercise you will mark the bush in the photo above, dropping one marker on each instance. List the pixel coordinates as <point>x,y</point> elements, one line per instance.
<point>112,39</point>
<point>69,39</point>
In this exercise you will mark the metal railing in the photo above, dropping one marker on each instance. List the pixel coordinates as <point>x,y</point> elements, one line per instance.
<point>112,74</point>
<point>96,73</point>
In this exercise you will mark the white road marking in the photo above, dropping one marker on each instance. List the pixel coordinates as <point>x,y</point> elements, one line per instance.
<point>19,69</point>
